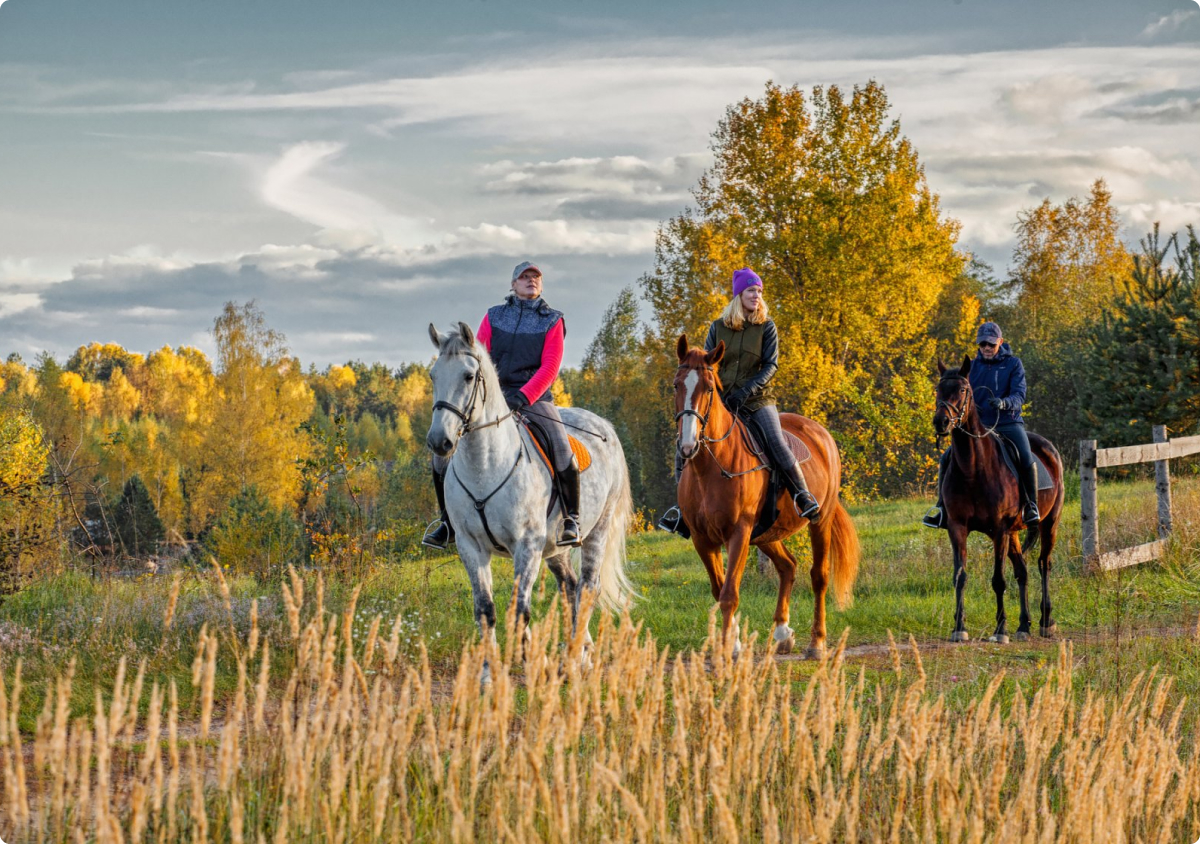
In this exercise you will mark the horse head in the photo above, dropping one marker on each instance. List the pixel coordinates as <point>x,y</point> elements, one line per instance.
<point>696,389</point>
<point>460,391</point>
<point>955,401</point>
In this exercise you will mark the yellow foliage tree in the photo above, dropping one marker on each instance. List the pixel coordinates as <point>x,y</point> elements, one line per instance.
<point>260,400</point>
<point>827,201</point>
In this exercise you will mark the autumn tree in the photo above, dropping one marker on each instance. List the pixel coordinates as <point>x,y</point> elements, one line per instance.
<point>27,503</point>
<point>260,400</point>
<point>626,380</point>
<point>827,200</point>
<point>1068,265</point>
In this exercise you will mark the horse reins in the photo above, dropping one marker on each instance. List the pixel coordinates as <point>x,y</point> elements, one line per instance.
<point>707,442</point>
<point>465,416</point>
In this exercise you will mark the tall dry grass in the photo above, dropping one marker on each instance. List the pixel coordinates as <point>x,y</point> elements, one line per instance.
<point>358,744</point>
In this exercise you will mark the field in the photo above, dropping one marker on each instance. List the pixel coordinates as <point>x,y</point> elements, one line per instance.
<point>365,721</point>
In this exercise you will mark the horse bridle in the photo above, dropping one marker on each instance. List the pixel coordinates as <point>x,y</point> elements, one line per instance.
<point>958,414</point>
<point>705,441</point>
<point>465,416</point>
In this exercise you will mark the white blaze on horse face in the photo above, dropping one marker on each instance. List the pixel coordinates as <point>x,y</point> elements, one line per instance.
<point>688,431</point>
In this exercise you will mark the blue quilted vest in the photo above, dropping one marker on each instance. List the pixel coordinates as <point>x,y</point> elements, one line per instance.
<point>519,328</point>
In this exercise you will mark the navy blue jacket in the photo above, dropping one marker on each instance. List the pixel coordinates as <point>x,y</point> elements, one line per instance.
<point>1002,377</point>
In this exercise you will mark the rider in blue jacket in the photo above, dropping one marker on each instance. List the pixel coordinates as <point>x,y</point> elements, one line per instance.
<point>998,384</point>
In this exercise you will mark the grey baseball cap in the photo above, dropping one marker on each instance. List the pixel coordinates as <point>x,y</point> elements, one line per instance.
<point>989,332</point>
<point>522,267</point>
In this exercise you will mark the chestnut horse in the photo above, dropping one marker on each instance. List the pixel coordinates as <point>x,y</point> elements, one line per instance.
<point>723,490</point>
<point>981,494</point>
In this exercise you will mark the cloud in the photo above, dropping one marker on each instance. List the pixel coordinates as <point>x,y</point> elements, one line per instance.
<point>1179,25</point>
<point>291,186</point>
<point>617,175</point>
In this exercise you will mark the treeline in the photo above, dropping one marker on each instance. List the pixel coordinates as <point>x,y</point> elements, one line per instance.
<point>826,199</point>
<point>247,459</point>
<point>252,460</point>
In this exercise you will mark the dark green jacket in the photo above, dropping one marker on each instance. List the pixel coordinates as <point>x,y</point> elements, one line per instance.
<point>751,359</point>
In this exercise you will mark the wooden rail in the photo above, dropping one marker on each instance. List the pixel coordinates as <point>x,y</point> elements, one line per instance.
<point>1091,458</point>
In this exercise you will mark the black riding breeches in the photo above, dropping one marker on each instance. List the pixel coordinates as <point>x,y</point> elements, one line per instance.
<point>1015,432</point>
<point>770,433</point>
<point>544,417</point>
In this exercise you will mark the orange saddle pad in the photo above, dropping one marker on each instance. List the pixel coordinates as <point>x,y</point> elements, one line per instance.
<point>582,456</point>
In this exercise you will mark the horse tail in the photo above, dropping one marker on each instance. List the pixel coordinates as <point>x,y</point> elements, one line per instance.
<point>846,551</point>
<point>1031,540</point>
<point>616,590</point>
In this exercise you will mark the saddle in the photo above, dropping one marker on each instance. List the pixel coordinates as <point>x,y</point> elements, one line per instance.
<point>770,511</point>
<point>798,447</point>
<point>1012,461</point>
<point>583,458</point>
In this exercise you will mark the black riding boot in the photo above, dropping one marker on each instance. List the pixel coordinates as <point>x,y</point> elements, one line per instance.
<point>672,520</point>
<point>806,505</point>
<point>568,488</point>
<point>1029,484</point>
<point>440,533</point>
<point>936,516</point>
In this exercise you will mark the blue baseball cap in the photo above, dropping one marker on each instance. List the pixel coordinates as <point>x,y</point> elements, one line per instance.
<point>989,332</point>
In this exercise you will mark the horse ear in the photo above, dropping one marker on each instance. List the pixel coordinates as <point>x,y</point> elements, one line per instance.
<point>681,348</point>
<point>941,368</point>
<point>467,334</point>
<point>718,352</point>
<point>435,337</point>
<point>966,367</point>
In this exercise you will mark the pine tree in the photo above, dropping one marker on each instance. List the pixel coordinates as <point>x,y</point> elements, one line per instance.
<point>135,519</point>
<point>1143,357</point>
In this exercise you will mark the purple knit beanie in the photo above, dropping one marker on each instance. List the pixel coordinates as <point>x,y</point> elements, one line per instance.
<point>745,278</point>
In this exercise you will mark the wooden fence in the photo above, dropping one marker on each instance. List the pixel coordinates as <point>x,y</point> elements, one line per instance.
<point>1160,453</point>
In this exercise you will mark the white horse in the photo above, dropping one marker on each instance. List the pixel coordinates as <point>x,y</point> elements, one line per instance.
<point>498,488</point>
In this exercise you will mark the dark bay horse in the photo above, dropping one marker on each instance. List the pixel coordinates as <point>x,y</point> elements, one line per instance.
<point>981,494</point>
<point>722,492</point>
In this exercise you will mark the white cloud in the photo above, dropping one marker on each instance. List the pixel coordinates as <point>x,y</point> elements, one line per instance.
<point>15,303</point>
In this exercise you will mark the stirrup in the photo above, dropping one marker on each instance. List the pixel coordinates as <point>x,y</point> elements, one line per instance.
<point>1030,515</point>
<point>569,535</point>
<point>438,535</point>
<point>809,511</point>
<point>670,520</point>
<point>934,518</point>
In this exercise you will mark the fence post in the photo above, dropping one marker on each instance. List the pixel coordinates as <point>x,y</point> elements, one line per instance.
<point>1162,485</point>
<point>1089,506</point>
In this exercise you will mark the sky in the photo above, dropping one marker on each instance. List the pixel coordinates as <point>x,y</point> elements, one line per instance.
<point>360,169</point>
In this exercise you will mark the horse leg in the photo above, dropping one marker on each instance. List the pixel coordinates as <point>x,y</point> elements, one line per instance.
<point>478,563</point>
<point>736,548</point>
<point>958,543</point>
<point>710,556</point>
<point>527,562</point>
<point>1021,570</point>
<point>999,550</point>
<point>564,575</point>
<point>785,565</point>
<point>1049,532</point>
<point>820,537</point>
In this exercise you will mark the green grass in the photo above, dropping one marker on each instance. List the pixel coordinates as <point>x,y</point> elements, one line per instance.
<point>1117,620</point>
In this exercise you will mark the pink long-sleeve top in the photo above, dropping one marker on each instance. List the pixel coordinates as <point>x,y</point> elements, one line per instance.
<point>552,355</point>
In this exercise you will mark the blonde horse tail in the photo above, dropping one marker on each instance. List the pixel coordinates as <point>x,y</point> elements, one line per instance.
<point>846,552</point>
<point>616,590</point>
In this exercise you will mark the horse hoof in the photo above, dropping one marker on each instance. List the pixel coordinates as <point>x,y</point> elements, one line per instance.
<point>960,637</point>
<point>814,652</point>
<point>1021,636</point>
<point>786,644</point>
<point>1002,639</point>
<point>1048,630</point>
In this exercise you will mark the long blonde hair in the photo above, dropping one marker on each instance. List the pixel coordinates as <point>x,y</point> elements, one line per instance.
<point>735,315</point>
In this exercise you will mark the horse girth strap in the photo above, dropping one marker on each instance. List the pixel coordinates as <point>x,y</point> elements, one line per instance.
<point>481,504</point>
